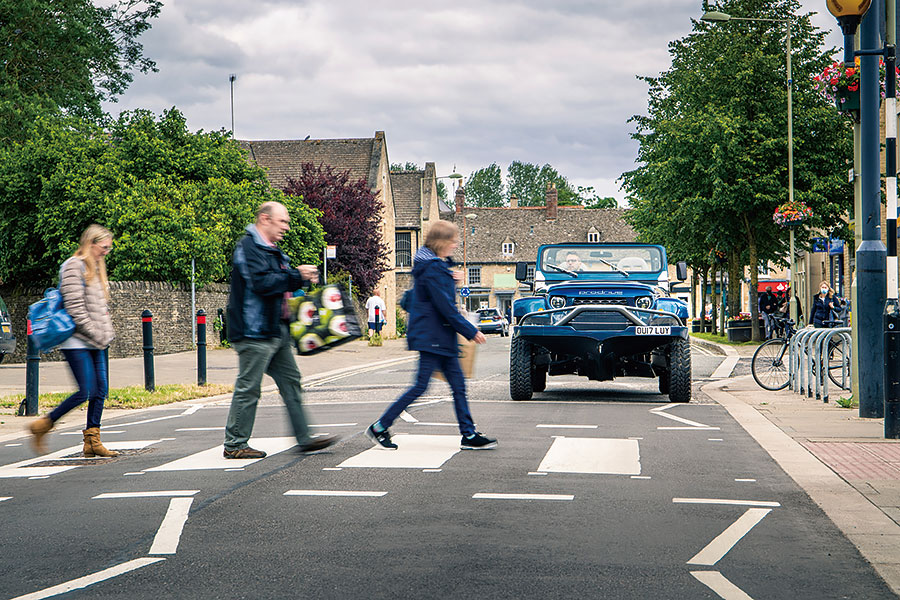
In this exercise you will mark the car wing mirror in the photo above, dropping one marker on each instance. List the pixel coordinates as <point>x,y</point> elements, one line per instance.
<point>681,270</point>
<point>521,271</point>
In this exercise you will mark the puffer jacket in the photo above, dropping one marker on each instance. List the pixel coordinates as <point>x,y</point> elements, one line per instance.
<point>260,276</point>
<point>434,320</point>
<point>86,304</point>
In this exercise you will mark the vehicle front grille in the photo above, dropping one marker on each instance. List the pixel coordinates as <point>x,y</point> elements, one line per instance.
<point>597,320</point>
<point>619,301</point>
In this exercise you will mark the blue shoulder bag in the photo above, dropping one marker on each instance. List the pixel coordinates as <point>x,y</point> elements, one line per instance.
<point>51,325</point>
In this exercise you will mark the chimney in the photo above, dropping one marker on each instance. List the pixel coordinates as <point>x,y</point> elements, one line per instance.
<point>551,199</point>
<point>460,199</point>
<point>513,201</point>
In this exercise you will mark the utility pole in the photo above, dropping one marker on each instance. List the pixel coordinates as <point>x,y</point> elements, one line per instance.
<point>231,79</point>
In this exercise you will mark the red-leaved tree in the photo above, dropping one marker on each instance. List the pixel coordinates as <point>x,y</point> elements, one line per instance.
<point>351,216</point>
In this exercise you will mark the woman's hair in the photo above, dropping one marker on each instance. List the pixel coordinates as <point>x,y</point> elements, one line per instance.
<point>440,234</point>
<point>94,267</point>
<point>828,285</point>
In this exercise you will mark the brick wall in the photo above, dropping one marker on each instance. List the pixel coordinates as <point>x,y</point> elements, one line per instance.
<point>170,305</point>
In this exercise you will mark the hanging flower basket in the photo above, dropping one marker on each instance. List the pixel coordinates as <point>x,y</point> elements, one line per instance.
<point>791,214</point>
<point>840,84</point>
<point>847,99</point>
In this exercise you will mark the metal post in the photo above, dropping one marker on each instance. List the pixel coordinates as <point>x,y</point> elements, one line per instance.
<point>193,304</point>
<point>350,285</point>
<point>201,347</point>
<point>892,306</point>
<point>231,79</point>
<point>32,375</point>
<point>870,257</point>
<point>324,265</point>
<point>149,375</point>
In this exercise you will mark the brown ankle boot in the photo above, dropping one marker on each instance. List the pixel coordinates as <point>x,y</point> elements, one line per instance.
<point>39,428</point>
<point>93,446</point>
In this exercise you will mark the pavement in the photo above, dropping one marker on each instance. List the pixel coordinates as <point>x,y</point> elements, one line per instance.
<point>841,460</point>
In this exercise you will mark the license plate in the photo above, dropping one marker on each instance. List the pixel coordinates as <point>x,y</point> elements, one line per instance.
<point>3,329</point>
<point>485,320</point>
<point>653,330</point>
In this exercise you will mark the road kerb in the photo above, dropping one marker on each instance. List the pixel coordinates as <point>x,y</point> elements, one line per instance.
<point>876,536</point>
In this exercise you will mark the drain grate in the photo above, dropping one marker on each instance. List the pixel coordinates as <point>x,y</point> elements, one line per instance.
<point>78,459</point>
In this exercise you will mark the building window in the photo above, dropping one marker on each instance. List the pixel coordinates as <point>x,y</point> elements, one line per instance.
<point>474,275</point>
<point>530,273</point>
<point>508,248</point>
<point>593,237</point>
<point>403,244</point>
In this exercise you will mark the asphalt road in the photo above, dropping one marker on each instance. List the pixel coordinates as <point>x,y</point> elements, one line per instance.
<point>596,490</point>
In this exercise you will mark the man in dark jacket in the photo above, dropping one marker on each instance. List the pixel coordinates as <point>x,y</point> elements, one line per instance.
<point>768,304</point>
<point>261,281</point>
<point>434,322</point>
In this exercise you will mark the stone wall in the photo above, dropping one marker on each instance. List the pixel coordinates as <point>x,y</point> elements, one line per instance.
<point>170,305</point>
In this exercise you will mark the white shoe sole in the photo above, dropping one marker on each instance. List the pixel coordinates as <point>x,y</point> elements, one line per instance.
<point>486,447</point>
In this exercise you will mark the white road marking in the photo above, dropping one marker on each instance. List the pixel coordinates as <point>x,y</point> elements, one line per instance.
<point>24,468</point>
<point>640,477</point>
<point>83,582</point>
<point>759,503</point>
<point>746,480</point>
<point>135,473</point>
<point>105,432</point>
<point>40,477</point>
<point>2,498</point>
<point>415,452</point>
<point>437,424</point>
<point>491,496</point>
<point>716,440</point>
<point>689,428</point>
<point>693,424</point>
<point>201,429</point>
<point>536,473</point>
<point>323,425</point>
<point>332,469</point>
<point>408,417</point>
<point>234,470</point>
<point>566,426</point>
<point>725,541</point>
<point>347,493</point>
<point>169,533</point>
<point>155,494</point>
<point>432,470</point>
<point>194,408</point>
<point>166,418</point>
<point>723,371</point>
<point>592,455</point>
<point>12,445</point>
<point>720,585</point>
<point>212,458</point>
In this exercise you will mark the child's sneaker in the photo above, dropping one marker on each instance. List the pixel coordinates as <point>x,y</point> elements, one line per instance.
<point>477,441</point>
<point>381,438</point>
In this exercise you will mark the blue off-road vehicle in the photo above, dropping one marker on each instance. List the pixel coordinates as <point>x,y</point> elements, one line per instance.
<point>601,311</point>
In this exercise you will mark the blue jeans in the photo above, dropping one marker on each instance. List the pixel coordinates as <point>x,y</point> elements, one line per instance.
<point>428,364</point>
<point>89,369</point>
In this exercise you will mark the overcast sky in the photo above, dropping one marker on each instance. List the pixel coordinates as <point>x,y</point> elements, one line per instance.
<point>462,84</point>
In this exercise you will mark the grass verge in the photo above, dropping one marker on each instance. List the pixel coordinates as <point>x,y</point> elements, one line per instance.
<point>130,397</point>
<point>721,339</point>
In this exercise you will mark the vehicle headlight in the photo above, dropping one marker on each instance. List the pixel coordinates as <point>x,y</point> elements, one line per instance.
<point>643,302</point>
<point>557,302</point>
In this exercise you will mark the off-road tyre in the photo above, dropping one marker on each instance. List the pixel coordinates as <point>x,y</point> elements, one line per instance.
<point>539,379</point>
<point>680,371</point>
<point>520,367</point>
<point>664,382</point>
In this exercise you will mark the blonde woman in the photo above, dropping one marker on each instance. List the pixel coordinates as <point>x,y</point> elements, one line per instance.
<point>85,292</point>
<point>823,303</point>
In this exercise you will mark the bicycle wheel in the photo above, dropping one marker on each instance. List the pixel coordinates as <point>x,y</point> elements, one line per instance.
<point>770,365</point>
<point>835,365</point>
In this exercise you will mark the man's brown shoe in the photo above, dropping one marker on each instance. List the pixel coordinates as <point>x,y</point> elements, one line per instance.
<point>244,453</point>
<point>319,443</point>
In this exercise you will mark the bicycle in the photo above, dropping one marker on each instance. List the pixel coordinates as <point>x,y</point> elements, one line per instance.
<point>769,365</point>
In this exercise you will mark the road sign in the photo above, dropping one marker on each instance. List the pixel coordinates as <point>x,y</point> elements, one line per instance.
<point>465,292</point>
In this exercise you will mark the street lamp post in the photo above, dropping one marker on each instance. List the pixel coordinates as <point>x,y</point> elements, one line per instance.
<point>424,179</point>
<point>466,218</point>
<point>720,17</point>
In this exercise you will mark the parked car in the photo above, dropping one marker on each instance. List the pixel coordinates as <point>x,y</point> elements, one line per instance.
<point>600,311</point>
<point>7,339</point>
<point>491,321</point>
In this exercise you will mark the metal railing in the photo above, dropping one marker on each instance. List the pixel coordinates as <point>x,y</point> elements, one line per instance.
<point>813,352</point>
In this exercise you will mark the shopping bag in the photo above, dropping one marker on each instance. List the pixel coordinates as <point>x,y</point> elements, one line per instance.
<point>51,325</point>
<point>467,350</point>
<point>322,319</point>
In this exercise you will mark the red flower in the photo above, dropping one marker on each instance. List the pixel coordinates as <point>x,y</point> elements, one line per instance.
<point>853,87</point>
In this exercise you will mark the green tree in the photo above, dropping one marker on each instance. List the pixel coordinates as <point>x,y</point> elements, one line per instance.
<point>528,183</point>
<point>67,55</point>
<point>713,147</point>
<point>167,195</point>
<point>590,199</point>
<point>484,187</point>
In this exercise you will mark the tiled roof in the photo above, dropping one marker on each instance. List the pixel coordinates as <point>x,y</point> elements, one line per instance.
<point>407,198</point>
<point>528,228</point>
<point>283,158</point>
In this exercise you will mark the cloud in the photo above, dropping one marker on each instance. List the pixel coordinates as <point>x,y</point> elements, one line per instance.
<point>467,84</point>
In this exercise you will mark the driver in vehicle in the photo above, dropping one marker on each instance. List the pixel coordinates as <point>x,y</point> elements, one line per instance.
<point>633,263</point>
<point>573,262</point>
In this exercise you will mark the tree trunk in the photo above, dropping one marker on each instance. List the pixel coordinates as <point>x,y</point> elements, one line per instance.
<point>754,281</point>
<point>693,293</point>
<point>735,278</point>
<point>722,300</point>
<point>714,317</point>
<point>704,282</point>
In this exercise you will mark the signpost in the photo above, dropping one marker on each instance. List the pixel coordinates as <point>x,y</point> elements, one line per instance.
<point>330,251</point>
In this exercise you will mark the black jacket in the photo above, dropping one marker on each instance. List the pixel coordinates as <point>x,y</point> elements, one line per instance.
<point>260,276</point>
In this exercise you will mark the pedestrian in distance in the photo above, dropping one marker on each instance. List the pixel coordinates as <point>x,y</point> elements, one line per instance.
<point>375,308</point>
<point>823,304</point>
<point>262,280</point>
<point>434,322</point>
<point>768,304</point>
<point>85,293</point>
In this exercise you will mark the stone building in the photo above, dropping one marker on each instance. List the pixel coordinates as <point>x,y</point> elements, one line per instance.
<point>364,158</point>
<point>493,240</point>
